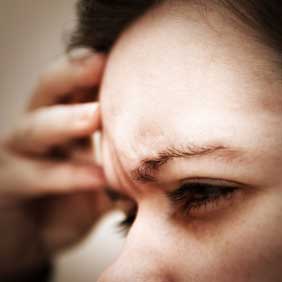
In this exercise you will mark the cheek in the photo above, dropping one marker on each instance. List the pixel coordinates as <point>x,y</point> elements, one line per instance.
<point>244,246</point>
<point>252,240</point>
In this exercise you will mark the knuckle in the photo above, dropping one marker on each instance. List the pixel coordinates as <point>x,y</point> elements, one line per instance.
<point>25,130</point>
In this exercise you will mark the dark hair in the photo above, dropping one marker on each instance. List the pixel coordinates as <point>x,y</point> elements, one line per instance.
<point>100,22</point>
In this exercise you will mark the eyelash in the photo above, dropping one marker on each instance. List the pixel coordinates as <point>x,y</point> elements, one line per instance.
<point>190,198</point>
<point>125,224</point>
<point>200,197</point>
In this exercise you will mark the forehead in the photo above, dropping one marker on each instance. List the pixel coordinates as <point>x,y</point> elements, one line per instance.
<point>178,74</point>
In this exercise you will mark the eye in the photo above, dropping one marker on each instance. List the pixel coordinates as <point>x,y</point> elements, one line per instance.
<point>125,224</point>
<point>202,198</point>
<point>127,206</point>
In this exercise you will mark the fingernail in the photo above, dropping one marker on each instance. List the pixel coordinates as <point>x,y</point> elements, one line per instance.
<point>80,54</point>
<point>96,139</point>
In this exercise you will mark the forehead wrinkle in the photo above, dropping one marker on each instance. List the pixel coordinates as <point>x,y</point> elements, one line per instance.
<point>139,92</point>
<point>125,183</point>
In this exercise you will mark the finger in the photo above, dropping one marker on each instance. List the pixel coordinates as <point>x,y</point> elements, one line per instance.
<point>86,149</point>
<point>71,217</point>
<point>52,126</point>
<point>82,153</point>
<point>68,177</point>
<point>81,69</point>
<point>22,178</point>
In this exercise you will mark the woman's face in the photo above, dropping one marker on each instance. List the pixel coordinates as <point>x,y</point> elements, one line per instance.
<point>192,137</point>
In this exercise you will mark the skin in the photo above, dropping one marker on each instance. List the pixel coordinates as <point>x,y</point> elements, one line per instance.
<point>48,203</point>
<point>155,92</point>
<point>178,77</point>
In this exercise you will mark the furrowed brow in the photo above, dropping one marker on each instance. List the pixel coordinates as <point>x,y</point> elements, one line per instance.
<point>148,167</point>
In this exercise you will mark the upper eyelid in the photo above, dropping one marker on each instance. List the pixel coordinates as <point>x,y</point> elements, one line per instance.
<point>212,181</point>
<point>117,196</point>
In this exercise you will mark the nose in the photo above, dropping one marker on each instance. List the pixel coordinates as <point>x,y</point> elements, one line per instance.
<point>145,257</point>
<point>138,267</point>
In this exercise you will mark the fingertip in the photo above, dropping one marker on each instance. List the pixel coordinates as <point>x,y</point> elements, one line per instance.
<point>89,118</point>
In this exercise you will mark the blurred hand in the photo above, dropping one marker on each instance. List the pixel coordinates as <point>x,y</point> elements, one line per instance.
<point>51,191</point>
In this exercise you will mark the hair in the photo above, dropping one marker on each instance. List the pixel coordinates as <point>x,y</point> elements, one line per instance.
<point>100,22</point>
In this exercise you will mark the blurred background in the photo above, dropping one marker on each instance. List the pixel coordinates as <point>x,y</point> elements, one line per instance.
<point>32,35</point>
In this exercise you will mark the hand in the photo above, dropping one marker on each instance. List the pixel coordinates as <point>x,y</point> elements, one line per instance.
<point>50,193</point>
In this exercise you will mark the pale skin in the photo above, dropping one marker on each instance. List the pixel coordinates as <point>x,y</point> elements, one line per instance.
<point>176,78</point>
<point>202,81</point>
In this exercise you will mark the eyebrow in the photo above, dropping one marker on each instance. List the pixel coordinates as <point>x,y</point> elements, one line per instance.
<point>149,166</point>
